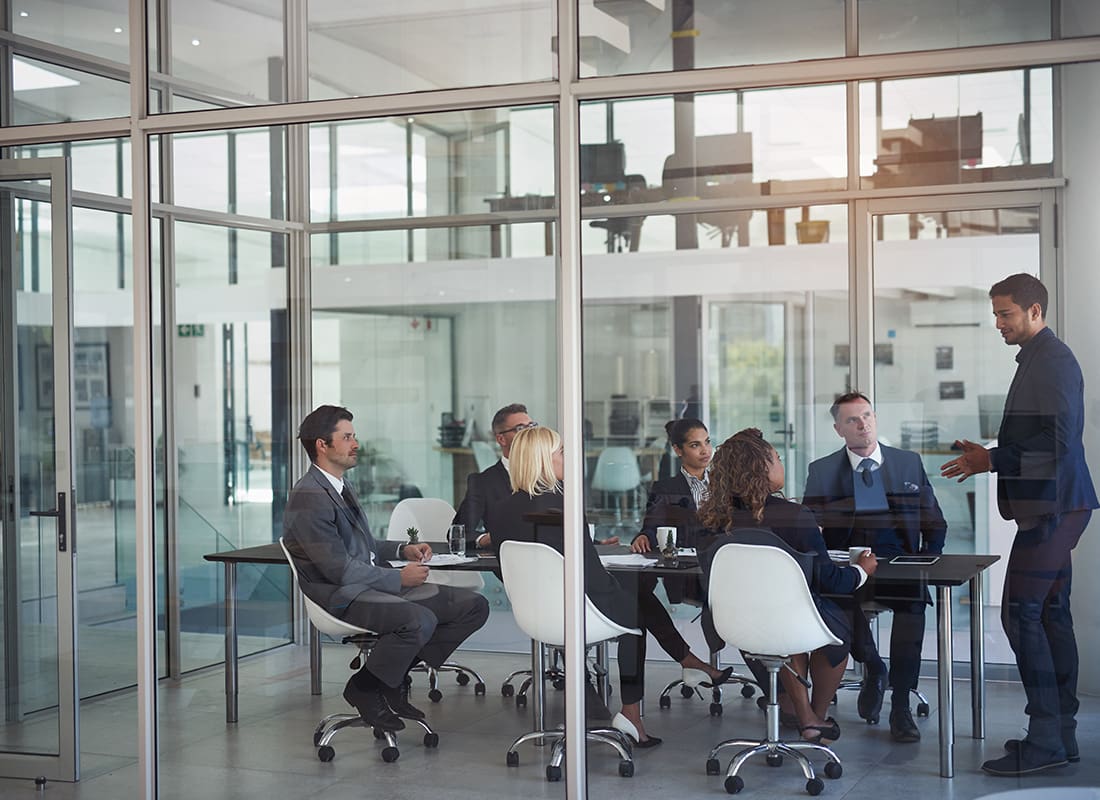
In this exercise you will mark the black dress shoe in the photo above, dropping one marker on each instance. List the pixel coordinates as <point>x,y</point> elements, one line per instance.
<point>397,698</point>
<point>373,708</point>
<point>1027,759</point>
<point>1073,754</point>
<point>871,694</point>
<point>902,727</point>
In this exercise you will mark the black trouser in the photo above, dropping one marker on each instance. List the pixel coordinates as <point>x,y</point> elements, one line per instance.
<point>906,635</point>
<point>426,622</point>
<point>1036,616</point>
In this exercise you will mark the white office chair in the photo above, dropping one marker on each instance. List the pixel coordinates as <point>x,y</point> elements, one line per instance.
<point>432,517</point>
<point>534,580</point>
<point>364,640</point>
<point>484,455</point>
<point>762,604</point>
<point>617,473</point>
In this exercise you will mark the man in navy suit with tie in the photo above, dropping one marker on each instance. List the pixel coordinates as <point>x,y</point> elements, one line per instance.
<point>1043,483</point>
<point>869,494</point>
<point>342,568</point>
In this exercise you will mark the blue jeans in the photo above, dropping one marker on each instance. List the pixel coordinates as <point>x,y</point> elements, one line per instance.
<point>1036,616</point>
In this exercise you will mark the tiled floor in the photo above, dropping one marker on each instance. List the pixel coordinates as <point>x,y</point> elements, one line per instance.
<point>269,754</point>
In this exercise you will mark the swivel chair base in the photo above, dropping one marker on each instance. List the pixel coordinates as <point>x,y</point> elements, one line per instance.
<point>462,678</point>
<point>872,611</point>
<point>772,747</point>
<point>612,737</point>
<point>330,725</point>
<point>553,673</point>
<point>748,689</point>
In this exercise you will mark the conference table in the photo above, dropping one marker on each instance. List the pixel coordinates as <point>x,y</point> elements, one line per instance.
<point>948,572</point>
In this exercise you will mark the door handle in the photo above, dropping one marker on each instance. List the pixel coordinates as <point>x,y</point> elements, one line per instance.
<point>59,514</point>
<point>787,433</point>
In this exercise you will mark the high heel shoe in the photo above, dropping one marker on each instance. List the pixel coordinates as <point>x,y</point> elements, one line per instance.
<point>697,677</point>
<point>623,725</point>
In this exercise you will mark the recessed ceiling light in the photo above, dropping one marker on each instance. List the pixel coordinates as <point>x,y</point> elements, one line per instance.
<point>24,14</point>
<point>118,30</point>
<point>195,42</point>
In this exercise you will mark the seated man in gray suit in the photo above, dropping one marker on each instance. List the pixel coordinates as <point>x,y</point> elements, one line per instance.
<point>345,570</point>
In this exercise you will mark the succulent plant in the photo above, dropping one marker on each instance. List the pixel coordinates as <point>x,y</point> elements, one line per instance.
<point>413,534</point>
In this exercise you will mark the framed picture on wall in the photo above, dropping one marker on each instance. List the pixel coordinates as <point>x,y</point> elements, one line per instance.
<point>43,357</point>
<point>952,390</point>
<point>945,357</point>
<point>91,373</point>
<point>842,355</point>
<point>884,353</point>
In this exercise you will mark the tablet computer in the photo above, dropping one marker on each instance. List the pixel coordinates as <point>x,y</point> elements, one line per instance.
<point>920,560</point>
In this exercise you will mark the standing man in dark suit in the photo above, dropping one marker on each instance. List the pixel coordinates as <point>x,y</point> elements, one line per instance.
<point>344,570</point>
<point>869,494</point>
<point>1043,483</point>
<point>491,486</point>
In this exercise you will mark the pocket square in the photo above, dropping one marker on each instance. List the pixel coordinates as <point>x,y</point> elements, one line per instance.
<point>911,487</point>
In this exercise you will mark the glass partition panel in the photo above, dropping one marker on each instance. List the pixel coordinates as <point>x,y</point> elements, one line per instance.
<point>229,171</point>
<point>45,92</point>
<point>892,27</point>
<point>95,27</point>
<point>231,397</point>
<point>101,166</point>
<point>1080,18</point>
<point>730,146</point>
<point>941,370</point>
<point>618,38</point>
<point>967,128</point>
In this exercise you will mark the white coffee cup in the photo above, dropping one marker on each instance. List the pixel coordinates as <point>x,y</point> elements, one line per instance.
<point>666,537</point>
<point>854,553</point>
<point>592,531</point>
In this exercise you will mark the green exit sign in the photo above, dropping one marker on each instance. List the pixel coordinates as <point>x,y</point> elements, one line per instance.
<point>190,331</point>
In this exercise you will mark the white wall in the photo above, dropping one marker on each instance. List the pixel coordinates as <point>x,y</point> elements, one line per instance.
<point>1080,325</point>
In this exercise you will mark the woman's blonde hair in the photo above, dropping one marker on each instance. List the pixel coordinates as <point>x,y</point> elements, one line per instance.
<point>531,461</point>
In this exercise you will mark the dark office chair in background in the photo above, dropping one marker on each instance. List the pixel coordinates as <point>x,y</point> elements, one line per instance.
<point>604,181</point>
<point>721,167</point>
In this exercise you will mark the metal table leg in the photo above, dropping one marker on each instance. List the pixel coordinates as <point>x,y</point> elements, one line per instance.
<point>603,673</point>
<point>314,660</point>
<point>538,687</point>
<point>230,642</point>
<point>946,689</point>
<point>977,657</point>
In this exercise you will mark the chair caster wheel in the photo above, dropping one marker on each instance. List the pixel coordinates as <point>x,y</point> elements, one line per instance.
<point>774,759</point>
<point>833,770</point>
<point>713,767</point>
<point>507,690</point>
<point>626,769</point>
<point>325,753</point>
<point>686,691</point>
<point>379,734</point>
<point>922,709</point>
<point>390,754</point>
<point>665,701</point>
<point>462,679</point>
<point>716,709</point>
<point>435,695</point>
<point>747,691</point>
<point>479,689</point>
<point>559,683</point>
<point>734,784</point>
<point>431,740</point>
<point>521,701</point>
<point>512,758</point>
<point>553,774</point>
<point>814,786</point>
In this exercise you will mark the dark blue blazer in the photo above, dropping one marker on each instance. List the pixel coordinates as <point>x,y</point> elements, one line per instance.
<point>1040,454</point>
<point>670,502</point>
<point>914,512</point>
<point>484,491</point>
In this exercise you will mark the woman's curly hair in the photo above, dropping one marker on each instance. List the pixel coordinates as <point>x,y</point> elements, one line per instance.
<point>738,479</point>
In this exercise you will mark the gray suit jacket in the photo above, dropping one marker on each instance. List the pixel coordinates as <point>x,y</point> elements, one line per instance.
<point>331,546</point>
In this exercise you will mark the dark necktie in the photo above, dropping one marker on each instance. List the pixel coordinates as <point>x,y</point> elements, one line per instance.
<point>865,471</point>
<point>350,500</point>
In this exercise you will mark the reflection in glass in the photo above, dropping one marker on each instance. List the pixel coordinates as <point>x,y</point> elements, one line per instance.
<point>229,171</point>
<point>968,128</point>
<point>95,27</point>
<point>941,371</point>
<point>890,26</point>
<point>45,93</point>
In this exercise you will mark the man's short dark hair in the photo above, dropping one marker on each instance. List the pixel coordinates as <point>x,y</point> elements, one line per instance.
<point>321,424</point>
<point>847,397</point>
<point>1025,291</point>
<point>504,413</point>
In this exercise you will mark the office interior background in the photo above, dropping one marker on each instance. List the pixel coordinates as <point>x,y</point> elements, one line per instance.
<point>358,203</point>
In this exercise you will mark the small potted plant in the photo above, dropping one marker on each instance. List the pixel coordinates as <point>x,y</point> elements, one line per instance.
<point>413,534</point>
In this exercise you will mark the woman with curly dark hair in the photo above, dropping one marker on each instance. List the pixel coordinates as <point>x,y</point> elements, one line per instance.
<point>746,476</point>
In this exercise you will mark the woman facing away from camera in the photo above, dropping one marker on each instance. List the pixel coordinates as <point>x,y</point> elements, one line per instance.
<point>535,467</point>
<point>746,477</point>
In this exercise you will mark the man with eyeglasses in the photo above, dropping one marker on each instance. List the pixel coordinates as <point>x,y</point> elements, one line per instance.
<point>489,487</point>
<point>342,568</point>
<point>869,494</point>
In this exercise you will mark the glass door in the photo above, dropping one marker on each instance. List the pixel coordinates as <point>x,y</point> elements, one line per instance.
<point>38,732</point>
<point>940,370</point>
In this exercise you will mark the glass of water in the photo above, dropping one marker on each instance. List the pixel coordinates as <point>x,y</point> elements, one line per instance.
<point>456,540</point>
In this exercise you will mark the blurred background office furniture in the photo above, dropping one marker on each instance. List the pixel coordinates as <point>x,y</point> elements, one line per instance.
<point>719,168</point>
<point>751,586</point>
<point>364,640</point>
<point>484,455</point>
<point>432,518</point>
<point>534,578</point>
<point>604,180</point>
<point>617,474</point>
